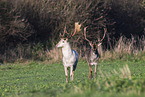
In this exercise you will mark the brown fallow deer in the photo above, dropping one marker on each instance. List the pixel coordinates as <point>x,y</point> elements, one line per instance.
<point>70,57</point>
<point>92,57</point>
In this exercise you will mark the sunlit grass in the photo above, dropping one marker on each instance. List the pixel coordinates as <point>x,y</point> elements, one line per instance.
<point>41,79</point>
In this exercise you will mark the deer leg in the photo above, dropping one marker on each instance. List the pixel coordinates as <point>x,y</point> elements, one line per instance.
<point>72,75</point>
<point>90,72</point>
<point>66,73</point>
<point>71,72</point>
<point>95,70</point>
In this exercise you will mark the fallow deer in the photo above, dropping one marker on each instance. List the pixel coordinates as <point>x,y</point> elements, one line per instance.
<point>70,57</point>
<point>92,57</point>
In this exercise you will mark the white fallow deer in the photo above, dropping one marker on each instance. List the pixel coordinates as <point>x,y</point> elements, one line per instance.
<point>92,57</point>
<point>70,57</point>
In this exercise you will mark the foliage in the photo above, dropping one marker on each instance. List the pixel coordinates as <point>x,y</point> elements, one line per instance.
<point>128,15</point>
<point>13,28</point>
<point>28,23</point>
<point>38,21</point>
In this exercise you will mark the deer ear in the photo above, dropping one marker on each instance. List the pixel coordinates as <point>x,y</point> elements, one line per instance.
<point>66,39</point>
<point>90,43</point>
<point>99,44</point>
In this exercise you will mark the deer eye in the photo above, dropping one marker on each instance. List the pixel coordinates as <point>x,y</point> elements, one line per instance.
<point>63,41</point>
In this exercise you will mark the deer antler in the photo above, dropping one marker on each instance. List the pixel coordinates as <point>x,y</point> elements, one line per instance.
<point>77,29</point>
<point>105,30</point>
<point>86,35</point>
<point>63,35</point>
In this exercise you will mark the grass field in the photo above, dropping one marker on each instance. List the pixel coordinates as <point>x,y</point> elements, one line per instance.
<point>39,79</point>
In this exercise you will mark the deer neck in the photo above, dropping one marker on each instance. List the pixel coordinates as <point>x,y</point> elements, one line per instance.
<point>66,50</point>
<point>94,53</point>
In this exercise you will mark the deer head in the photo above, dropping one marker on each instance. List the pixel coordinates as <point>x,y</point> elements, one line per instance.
<point>94,44</point>
<point>64,39</point>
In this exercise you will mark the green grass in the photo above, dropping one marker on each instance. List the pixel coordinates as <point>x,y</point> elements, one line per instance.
<point>38,79</point>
